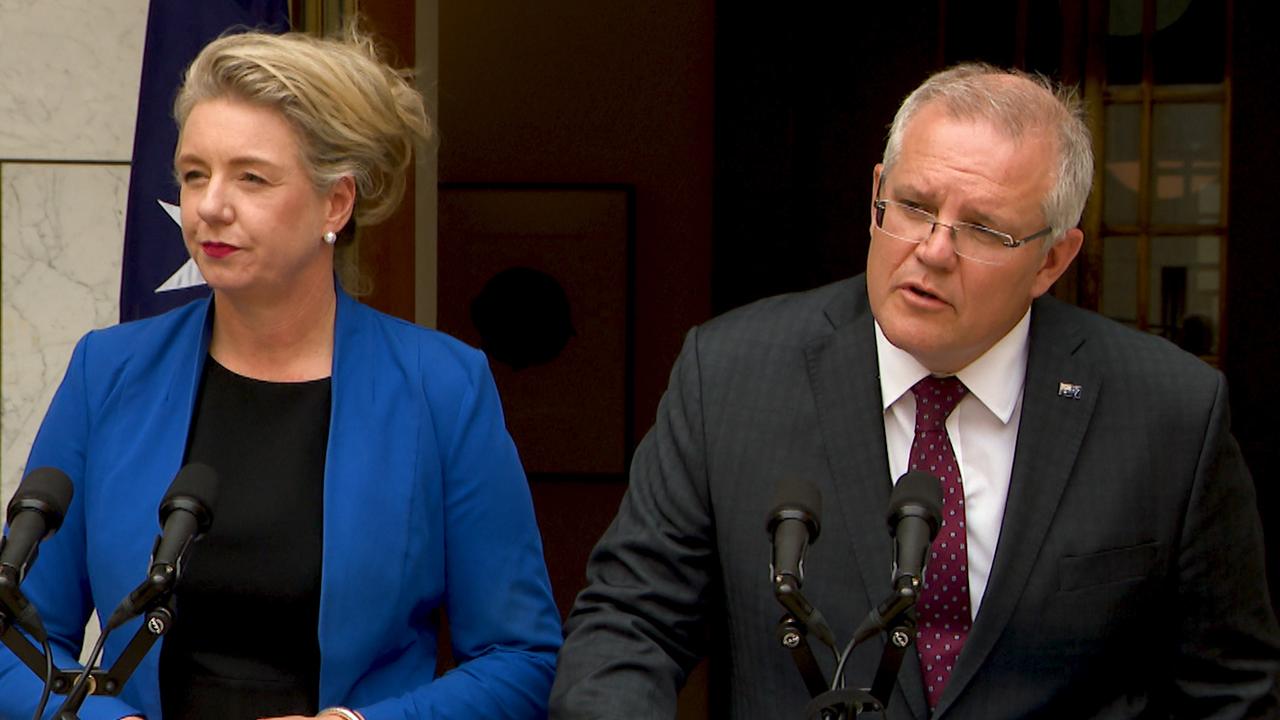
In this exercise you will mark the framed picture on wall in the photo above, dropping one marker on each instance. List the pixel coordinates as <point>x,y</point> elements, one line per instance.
<point>539,277</point>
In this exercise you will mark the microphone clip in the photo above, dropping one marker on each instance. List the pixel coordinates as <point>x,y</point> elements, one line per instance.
<point>15,608</point>
<point>153,592</point>
<point>787,591</point>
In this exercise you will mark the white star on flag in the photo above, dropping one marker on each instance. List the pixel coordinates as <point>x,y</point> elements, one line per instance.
<point>188,275</point>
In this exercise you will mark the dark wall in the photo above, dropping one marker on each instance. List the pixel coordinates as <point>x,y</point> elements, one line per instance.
<point>576,91</point>
<point>588,92</point>
<point>804,97</point>
<point>1252,356</point>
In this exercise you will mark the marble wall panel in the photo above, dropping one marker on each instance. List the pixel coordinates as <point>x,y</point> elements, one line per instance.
<point>69,74</point>
<point>61,236</point>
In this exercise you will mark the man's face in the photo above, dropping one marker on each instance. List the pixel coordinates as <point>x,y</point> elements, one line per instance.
<point>944,309</point>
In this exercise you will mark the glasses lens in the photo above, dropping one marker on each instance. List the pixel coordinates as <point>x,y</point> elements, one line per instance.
<point>981,244</point>
<point>906,223</point>
<point>914,225</point>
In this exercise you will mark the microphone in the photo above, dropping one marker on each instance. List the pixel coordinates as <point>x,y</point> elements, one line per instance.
<point>186,514</point>
<point>793,525</point>
<point>915,514</point>
<point>35,513</point>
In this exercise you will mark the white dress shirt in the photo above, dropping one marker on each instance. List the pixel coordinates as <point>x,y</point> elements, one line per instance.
<point>983,430</point>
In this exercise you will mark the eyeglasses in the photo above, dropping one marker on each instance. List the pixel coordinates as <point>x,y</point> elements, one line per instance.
<point>975,242</point>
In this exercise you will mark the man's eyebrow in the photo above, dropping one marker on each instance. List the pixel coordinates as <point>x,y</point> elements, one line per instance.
<point>908,190</point>
<point>985,220</point>
<point>969,215</point>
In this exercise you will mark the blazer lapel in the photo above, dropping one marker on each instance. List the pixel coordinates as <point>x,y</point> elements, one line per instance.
<point>845,377</point>
<point>1058,400</point>
<point>366,495</point>
<point>166,428</point>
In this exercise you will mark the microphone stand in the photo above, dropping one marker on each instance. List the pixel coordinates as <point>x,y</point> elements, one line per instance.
<point>896,615</point>
<point>111,682</point>
<point>19,644</point>
<point>792,634</point>
<point>154,597</point>
<point>899,621</point>
<point>915,508</point>
<point>794,628</point>
<point>98,682</point>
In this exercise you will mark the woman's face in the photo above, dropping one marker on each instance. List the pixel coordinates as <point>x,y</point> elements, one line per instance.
<point>251,218</point>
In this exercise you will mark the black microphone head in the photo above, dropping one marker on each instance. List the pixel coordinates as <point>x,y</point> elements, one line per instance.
<point>47,490</point>
<point>916,494</point>
<point>195,490</point>
<point>797,499</point>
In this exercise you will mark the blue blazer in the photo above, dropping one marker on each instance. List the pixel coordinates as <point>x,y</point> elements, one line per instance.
<point>426,507</point>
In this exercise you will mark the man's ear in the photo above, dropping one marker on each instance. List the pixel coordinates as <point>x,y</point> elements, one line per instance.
<point>876,172</point>
<point>1056,261</point>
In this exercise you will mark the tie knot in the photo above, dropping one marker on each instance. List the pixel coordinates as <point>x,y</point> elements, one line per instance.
<point>936,397</point>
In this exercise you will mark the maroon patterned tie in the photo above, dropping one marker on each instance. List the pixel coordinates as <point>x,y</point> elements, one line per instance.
<point>943,610</point>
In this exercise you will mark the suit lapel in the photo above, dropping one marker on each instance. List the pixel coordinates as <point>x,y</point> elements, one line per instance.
<point>1050,433</point>
<point>844,375</point>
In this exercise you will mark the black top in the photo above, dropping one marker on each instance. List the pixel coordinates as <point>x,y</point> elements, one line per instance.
<point>244,643</point>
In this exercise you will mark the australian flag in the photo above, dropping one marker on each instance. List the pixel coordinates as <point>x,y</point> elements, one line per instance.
<point>157,274</point>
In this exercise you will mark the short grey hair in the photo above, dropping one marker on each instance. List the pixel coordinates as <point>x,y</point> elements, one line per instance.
<point>1015,102</point>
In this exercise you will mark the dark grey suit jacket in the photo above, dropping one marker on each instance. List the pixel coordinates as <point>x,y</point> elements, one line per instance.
<point>1128,580</point>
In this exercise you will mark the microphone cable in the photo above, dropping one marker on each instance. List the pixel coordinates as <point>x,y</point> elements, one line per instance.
<point>48,678</point>
<point>837,678</point>
<point>83,677</point>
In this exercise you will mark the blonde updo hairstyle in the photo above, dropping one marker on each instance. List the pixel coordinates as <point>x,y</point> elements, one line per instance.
<point>355,115</point>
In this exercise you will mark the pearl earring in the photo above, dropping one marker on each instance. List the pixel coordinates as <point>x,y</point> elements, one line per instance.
<point>330,237</point>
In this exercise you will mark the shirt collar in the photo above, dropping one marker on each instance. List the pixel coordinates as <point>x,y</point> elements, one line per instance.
<point>995,378</point>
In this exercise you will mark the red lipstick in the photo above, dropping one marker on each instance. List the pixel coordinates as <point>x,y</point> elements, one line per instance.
<point>217,250</point>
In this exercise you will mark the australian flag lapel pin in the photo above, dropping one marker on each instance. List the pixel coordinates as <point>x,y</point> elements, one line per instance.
<point>1069,390</point>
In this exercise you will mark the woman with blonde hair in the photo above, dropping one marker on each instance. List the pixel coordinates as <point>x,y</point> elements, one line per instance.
<point>367,484</point>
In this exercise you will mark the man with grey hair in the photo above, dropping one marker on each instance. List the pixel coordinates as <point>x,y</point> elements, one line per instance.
<point>1099,551</point>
